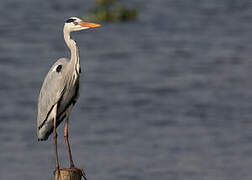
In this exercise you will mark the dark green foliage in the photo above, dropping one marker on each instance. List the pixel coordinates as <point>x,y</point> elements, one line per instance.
<point>112,10</point>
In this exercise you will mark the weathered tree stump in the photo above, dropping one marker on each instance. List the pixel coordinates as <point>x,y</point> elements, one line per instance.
<point>69,174</point>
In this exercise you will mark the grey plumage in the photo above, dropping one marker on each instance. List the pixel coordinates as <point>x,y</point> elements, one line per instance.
<point>58,87</point>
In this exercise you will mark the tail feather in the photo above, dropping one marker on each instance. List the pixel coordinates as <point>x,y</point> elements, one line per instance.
<point>46,130</point>
<point>43,135</point>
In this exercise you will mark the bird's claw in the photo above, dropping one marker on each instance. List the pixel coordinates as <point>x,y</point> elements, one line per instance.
<point>57,170</point>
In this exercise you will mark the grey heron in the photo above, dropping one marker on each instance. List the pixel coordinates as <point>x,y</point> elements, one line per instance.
<point>60,90</point>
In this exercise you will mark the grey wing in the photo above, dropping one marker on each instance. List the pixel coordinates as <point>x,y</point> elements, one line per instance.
<point>51,92</point>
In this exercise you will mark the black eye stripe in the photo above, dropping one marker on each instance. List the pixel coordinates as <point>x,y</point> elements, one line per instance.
<point>70,20</point>
<point>59,67</point>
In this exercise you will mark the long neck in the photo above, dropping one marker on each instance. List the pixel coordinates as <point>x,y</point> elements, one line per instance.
<point>75,59</point>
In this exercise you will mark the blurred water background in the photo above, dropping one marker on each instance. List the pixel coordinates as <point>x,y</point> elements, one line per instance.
<point>166,97</point>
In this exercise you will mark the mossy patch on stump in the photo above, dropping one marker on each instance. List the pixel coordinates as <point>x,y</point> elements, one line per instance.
<point>69,174</point>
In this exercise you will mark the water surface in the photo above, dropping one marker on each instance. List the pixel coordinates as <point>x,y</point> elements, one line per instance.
<point>166,97</point>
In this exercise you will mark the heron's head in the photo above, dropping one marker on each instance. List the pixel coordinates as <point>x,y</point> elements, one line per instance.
<point>76,24</point>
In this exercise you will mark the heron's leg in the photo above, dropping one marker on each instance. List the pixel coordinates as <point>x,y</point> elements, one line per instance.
<point>69,150</point>
<point>55,139</point>
<point>67,142</point>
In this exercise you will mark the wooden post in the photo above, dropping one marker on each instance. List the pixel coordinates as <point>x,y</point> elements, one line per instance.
<point>70,174</point>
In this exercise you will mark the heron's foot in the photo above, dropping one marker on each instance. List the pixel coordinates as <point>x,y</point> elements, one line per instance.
<point>57,169</point>
<point>79,170</point>
<point>57,172</point>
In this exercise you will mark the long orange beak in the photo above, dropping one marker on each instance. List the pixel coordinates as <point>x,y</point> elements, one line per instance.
<point>88,24</point>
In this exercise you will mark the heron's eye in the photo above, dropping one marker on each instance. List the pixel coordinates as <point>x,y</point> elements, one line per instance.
<point>59,67</point>
<point>70,20</point>
<point>75,23</point>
